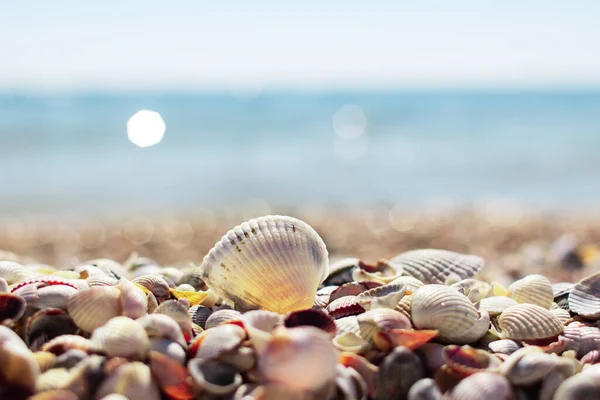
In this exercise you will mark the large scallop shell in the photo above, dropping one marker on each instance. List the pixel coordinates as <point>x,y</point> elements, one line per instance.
<point>450,312</point>
<point>435,266</point>
<point>532,289</point>
<point>584,298</point>
<point>273,262</point>
<point>528,322</point>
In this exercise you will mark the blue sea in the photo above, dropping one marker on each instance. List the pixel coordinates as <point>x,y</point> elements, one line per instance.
<point>69,153</point>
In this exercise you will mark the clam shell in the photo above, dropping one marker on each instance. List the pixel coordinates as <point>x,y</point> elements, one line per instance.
<point>52,379</point>
<point>172,377</point>
<point>352,289</point>
<point>450,312</point>
<point>162,326</point>
<point>214,342</point>
<point>474,289</point>
<point>424,389</point>
<point>169,348</point>
<point>92,308</point>
<point>435,266</point>
<point>563,315</point>
<point>581,338</point>
<point>134,303</point>
<point>386,296</point>
<point>532,289</point>
<point>504,346</point>
<point>351,342</point>
<point>122,337</point>
<point>274,263</point>
<point>340,271</point>
<point>344,306</point>
<point>411,284</point>
<point>214,376</point>
<point>592,357</point>
<point>54,296</point>
<point>311,317</point>
<point>584,298</point>
<point>70,358</point>
<point>12,306</point>
<point>528,322</point>
<point>382,272</point>
<point>528,365</point>
<point>155,284</point>
<point>133,380</point>
<point>404,305</point>
<point>3,285</point>
<point>221,316</point>
<point>178,312</point>
<point>385,319</point>
<point>466,360</point>
<point>496,305</point>
<point>19,367</point>
<point>199,315</point>
<point>483,385</point>
<point>45,360</point>
<point>585,385</point>
<point>287,355</point>
<point>13,272</point>
<point>64,343</point>
<point>397,373</point>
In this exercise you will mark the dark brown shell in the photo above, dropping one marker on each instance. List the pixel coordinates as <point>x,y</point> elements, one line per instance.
<point>12,306</point>
<point>47,324</point>
<point>311,317</point>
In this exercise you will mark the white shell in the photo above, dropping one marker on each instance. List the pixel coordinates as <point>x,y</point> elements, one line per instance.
<point>133,380</point>
<point>122,337</point>
<point>496,305</point>
<point>581,338</point>
<point>450,312</point>
<point>274,263</point>
<point>483,385</point>
<point>528,322</point>
<point>436,266</point>
<point>584,298</point>
<point>532,289</point>
<point>92,308</point>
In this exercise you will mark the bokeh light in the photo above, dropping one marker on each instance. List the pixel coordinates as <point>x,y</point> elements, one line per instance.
<point>349,122</point>
<point>145,128</point>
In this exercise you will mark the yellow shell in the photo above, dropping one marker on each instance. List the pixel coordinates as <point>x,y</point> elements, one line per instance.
<point>528,322</point>
<point>274,263</point>
<point>194,298</point>
<point>532,289</point>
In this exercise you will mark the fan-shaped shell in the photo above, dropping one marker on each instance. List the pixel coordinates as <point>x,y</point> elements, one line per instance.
<point>344,306</point>
<point>273,262</point>
<point>92,308</point>
<point>585,385</point>
<point>122,337</point>
<point>450,312</point>
<point>311,317</point>
<point>584,298</point>
<point>483,385</point>
<point>532,289</point>
<point>581,338</point>
<point>496,305</point>
<point>133,380</point>
<point>221,316</point>
<point>199,315</point>
<point>162,326</point>
<point>134,303</point>
<point>435,266</point>
<point>504,346</point>
<point>528,322</point>
<point>466,360</point>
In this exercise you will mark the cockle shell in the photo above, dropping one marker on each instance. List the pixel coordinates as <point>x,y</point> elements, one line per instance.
<point>311,317</point>
<point>47,324</point>
<point>397,373</point>
<point>12,306</point>
<point>532,289</point>
<point>162,326</point>
<point>221,316</point>
<point>53,296</point>
<point>584,298</point>
<point>467,360</point>
<point>214,342</point>
<point>133,380</point>
<point>340,271</point>
<point>199,315</point>
<point>496,305</point>
<point>178,312</point>
<point>19,367</point>
<point>450,312</point>
<point>344,306</point>
<point>424,389</point>
<point>585,385</point>
<point>122,337</point>
<point>528,365</point>
<point>483,385</point>
<point>504,346</point>
<point>581,338</point>
<point>273,262</point>
<point>92,308</point>
<point>410,283</point>
<point>134,303</point>
<point>386,296</point>
<point>435,266</point>
<point>155,284</point>
<point>563,315</point>
<point>13,272</point>
<point>528,322</point>
<point>382,272</point>
<point>351,342</point>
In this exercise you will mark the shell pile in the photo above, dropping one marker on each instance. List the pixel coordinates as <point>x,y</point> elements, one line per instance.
<point>265,316</point>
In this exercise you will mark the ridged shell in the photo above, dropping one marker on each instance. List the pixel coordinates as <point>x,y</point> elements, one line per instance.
<point>581,339</point>
<point>52,379</point>
<point>585,385</point>
<point>92,308</point>
<point>382,272</point>
<point>504,346</point>
<point>404,305</point>
<point>274,263</point>
<point>496,305</point>
<point>398,371</point>
<point>178,312</point>
<point>351,289</point>
<point>385,319</point>
<point>528,322</point>
<point>221,316</point>
<point>156,284</point>
<point>592,357</point>
<point>287,355</point>
<point>528,365</point>
<point>199,315</point>
<point>424,389</point>
<point>62,344</point>
<point>351,342</point>
<point>474,289</point>
<point>169,348</point>
<point>54,296</point>
<point>411,284</point>
<point>133,380</point>
<point>386,296</point>
<point>450,312</point>
<point>122,337</point>
<point>47,324</point>
<point>562,315</point>
<point>344,306</point>
<point>585,297</point>
<point>483,385</point>
<point>532,289</point>
<point>466,360</point>
<point>340,271</point>
<point>219,340</point>
<point>435,266</point>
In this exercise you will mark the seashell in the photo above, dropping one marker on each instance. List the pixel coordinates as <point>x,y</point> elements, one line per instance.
<point>397,373</point>
<point>171,273</point>
<point>483,385</point>
<point>134,303</point>
<point>122,337</point>
<point>47,324</point>
<point>178,312</point>
<point>527,365</point>
<point>432,356</point>
<point>273,262</point>
<point>173,378</point>
<point>585,385</point>
<point>219,340</point>
<point>592,357</point>
<point>409,338</point>
<point>20,369</point>
<point>435,266</point>
<point>192,277</point>
<point>528,322</point>
<point>465,360</point>
<point>3,285</point>
<point>563,315</point>
<point>323,295</point>
<point>185,287</point>
<point>155,284</point>
<point>133,380</point>
<point>214,377</point>
<point>474,289</point>
<point>45,360</point>
<point>64,343</point>
<point>496,305</point>
<point>424,389</point>
<point>450,312</point>
<point>109,267</point>
<point>169,348</point>
<point>344,306</point>
<point>59,394</point>
<point>352,289</point>
<point>581,338</point>
<point>199,315</point>
<point>54,296</point>
<point>404,305</point>
<point>340,271</point>
<point>52,379</point>
<point>152,302</point>
<point>92,308</point>
<point>286,356</point>
<point>221,316</point>
<point>101,280</point>
<point>387,296</point>
<point>350,384</point>
<point>385,319</point>
<point>364,368</point>
<point>162,326</point>
<point>13,272</point>
<point>532,289</point>
<point>351,342</point>
<point>269,391</point>
<point>504,346</point>
<point>311,317</point>
<point>194,298</point>
<point>242,358</point>
<point>70,358</point>
<point>584,298</point>
<point>382,272</point>
<point>411,284</point>
<point>12,306</point>
<point>262,319</point>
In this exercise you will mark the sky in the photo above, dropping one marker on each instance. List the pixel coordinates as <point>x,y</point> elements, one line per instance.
<point>190,44</point>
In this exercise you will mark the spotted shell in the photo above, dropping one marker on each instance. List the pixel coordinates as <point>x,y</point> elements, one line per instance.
<point>450,312</point>
<point>528,322</point>
<point>274,263</point>
<point>532,289</point>
<point>435,266</point>
<point>584,298</point>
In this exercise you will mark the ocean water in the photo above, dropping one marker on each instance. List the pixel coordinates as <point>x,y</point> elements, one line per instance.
<point>70,153</point>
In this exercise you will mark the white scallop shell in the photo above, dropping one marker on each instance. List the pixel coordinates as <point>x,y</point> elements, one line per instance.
<point>584,298</point>
<point>450,312</point>
<point>504,346</point>
<point>274,263</point>
<point>133,380</point>
<point>482,385</point>
<point>532,289</point>
<point>563,315</point>
<point>436,266</point>
<point>92,308</point>
<point>528,322</point>
<point>496,305</point>
<point>410,283</point>
<point>122,337</point>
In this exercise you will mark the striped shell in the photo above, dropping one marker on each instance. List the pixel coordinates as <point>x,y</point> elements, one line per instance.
<point>528,322</point>
<point>532,289</point>
<point>483,385</point>
<point>504,346</point>
<point>410,283</point>
<point>496,305</point>
<point>133,380</point>
<point>562,315</point>
<point>581,338</point>
<point>92,308</point>
<point>221,316</point>
<point>122,337</point>
<point>450,312</point>
<point>273,262</point>
<point>344,306</point>
<point>584,298</point>
<point>386,296</point>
